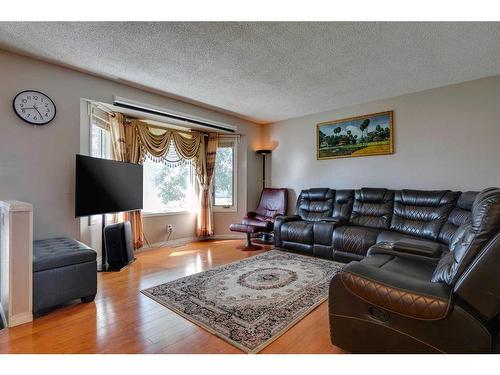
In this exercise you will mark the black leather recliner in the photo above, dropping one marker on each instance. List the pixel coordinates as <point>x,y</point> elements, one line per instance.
<point>317,212</point>
<point>296,232</point>
<point>407,296</point>
<point>371,213</point>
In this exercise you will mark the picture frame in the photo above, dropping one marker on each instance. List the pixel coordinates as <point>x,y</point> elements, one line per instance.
<point>366,135</point>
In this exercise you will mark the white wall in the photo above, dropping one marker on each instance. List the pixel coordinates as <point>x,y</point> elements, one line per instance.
<point>37,164</point>
<point>445,138</point>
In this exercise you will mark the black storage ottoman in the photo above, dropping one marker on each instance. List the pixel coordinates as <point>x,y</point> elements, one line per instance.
<point>63,270</point>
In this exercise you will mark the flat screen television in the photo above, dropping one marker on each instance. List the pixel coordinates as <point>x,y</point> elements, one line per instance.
<point>106,186</point>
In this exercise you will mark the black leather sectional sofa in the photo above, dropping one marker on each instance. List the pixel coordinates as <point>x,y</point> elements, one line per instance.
<point>424,274</point>
<point>343,224</point>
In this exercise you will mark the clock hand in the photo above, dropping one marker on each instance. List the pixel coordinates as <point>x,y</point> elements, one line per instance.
<point>38,112</point>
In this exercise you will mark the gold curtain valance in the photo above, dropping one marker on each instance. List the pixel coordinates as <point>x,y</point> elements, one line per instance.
<point>166,145</point>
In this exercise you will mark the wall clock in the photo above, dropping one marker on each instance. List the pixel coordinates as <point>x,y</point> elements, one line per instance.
<point>34,107</point>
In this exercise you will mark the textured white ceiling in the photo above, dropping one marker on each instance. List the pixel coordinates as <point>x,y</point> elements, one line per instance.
<point>269,71</point>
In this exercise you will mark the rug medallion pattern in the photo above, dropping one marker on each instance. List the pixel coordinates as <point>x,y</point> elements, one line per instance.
<point>251,302</point>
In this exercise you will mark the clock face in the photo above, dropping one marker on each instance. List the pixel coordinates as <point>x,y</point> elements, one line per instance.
<point>34,107</point>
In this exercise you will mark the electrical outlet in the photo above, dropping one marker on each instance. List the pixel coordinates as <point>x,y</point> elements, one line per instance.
<point>170,228</point>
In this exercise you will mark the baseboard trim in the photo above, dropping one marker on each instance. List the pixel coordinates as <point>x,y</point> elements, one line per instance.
<point>21,318</point>
<point>228,236</point>
<point>186,240</point>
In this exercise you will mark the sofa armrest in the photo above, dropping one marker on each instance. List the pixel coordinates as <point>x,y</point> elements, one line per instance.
<point>423,248</point>
<point>395,292</point>
<point>408,248</point>
<point>281,219</point>
<point>278,222</point>
<point>337,222</point>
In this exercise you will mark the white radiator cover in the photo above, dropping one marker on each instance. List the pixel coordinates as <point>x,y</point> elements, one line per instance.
<point>16,262</point>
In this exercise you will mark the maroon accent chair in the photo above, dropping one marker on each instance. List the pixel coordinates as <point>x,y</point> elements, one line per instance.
<point>273,202</point>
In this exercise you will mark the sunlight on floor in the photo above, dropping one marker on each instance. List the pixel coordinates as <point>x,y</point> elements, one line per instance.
<point>182,253</point>
<point>194,267</point>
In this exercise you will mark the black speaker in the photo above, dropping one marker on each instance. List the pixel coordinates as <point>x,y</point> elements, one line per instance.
<point>119,245</point>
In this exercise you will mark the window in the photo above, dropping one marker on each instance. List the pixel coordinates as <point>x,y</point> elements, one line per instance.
<point>168,189</point>
<point>224,184</point>
<point>100,143</point>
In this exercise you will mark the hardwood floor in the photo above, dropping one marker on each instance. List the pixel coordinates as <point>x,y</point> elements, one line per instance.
<point>122,320</point>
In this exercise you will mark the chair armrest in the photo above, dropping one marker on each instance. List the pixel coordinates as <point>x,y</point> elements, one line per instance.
<point>392,291</point>
<point>251,214</point>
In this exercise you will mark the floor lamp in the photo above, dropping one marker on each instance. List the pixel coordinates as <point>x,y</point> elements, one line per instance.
<point>263,153</point>
<point>264,238</point>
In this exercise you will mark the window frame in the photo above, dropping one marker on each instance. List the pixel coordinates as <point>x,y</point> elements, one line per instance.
<point>105,150</point>
<point>234,207</point>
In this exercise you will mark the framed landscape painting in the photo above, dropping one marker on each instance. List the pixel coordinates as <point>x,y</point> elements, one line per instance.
<point>356,136</point>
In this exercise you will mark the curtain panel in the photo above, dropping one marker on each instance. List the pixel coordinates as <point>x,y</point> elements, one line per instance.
<point>205,221</point>
<point>124,148</point>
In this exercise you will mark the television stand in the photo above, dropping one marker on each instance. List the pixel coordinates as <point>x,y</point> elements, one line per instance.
<point>104,264</point>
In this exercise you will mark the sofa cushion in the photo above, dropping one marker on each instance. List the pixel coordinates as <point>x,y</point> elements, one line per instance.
<point>354,239</point>
<point>60,252</point>
<point>372,207</point>
<point>315,204</point>
<point>297,231</point>
<point>461,214</point>
<point>422,213</point>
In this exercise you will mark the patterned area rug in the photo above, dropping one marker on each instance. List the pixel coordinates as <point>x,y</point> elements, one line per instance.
<point>250,303</point>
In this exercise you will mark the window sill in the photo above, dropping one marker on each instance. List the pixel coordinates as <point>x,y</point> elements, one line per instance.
<point>157,214</point>
<point>220,209</point>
